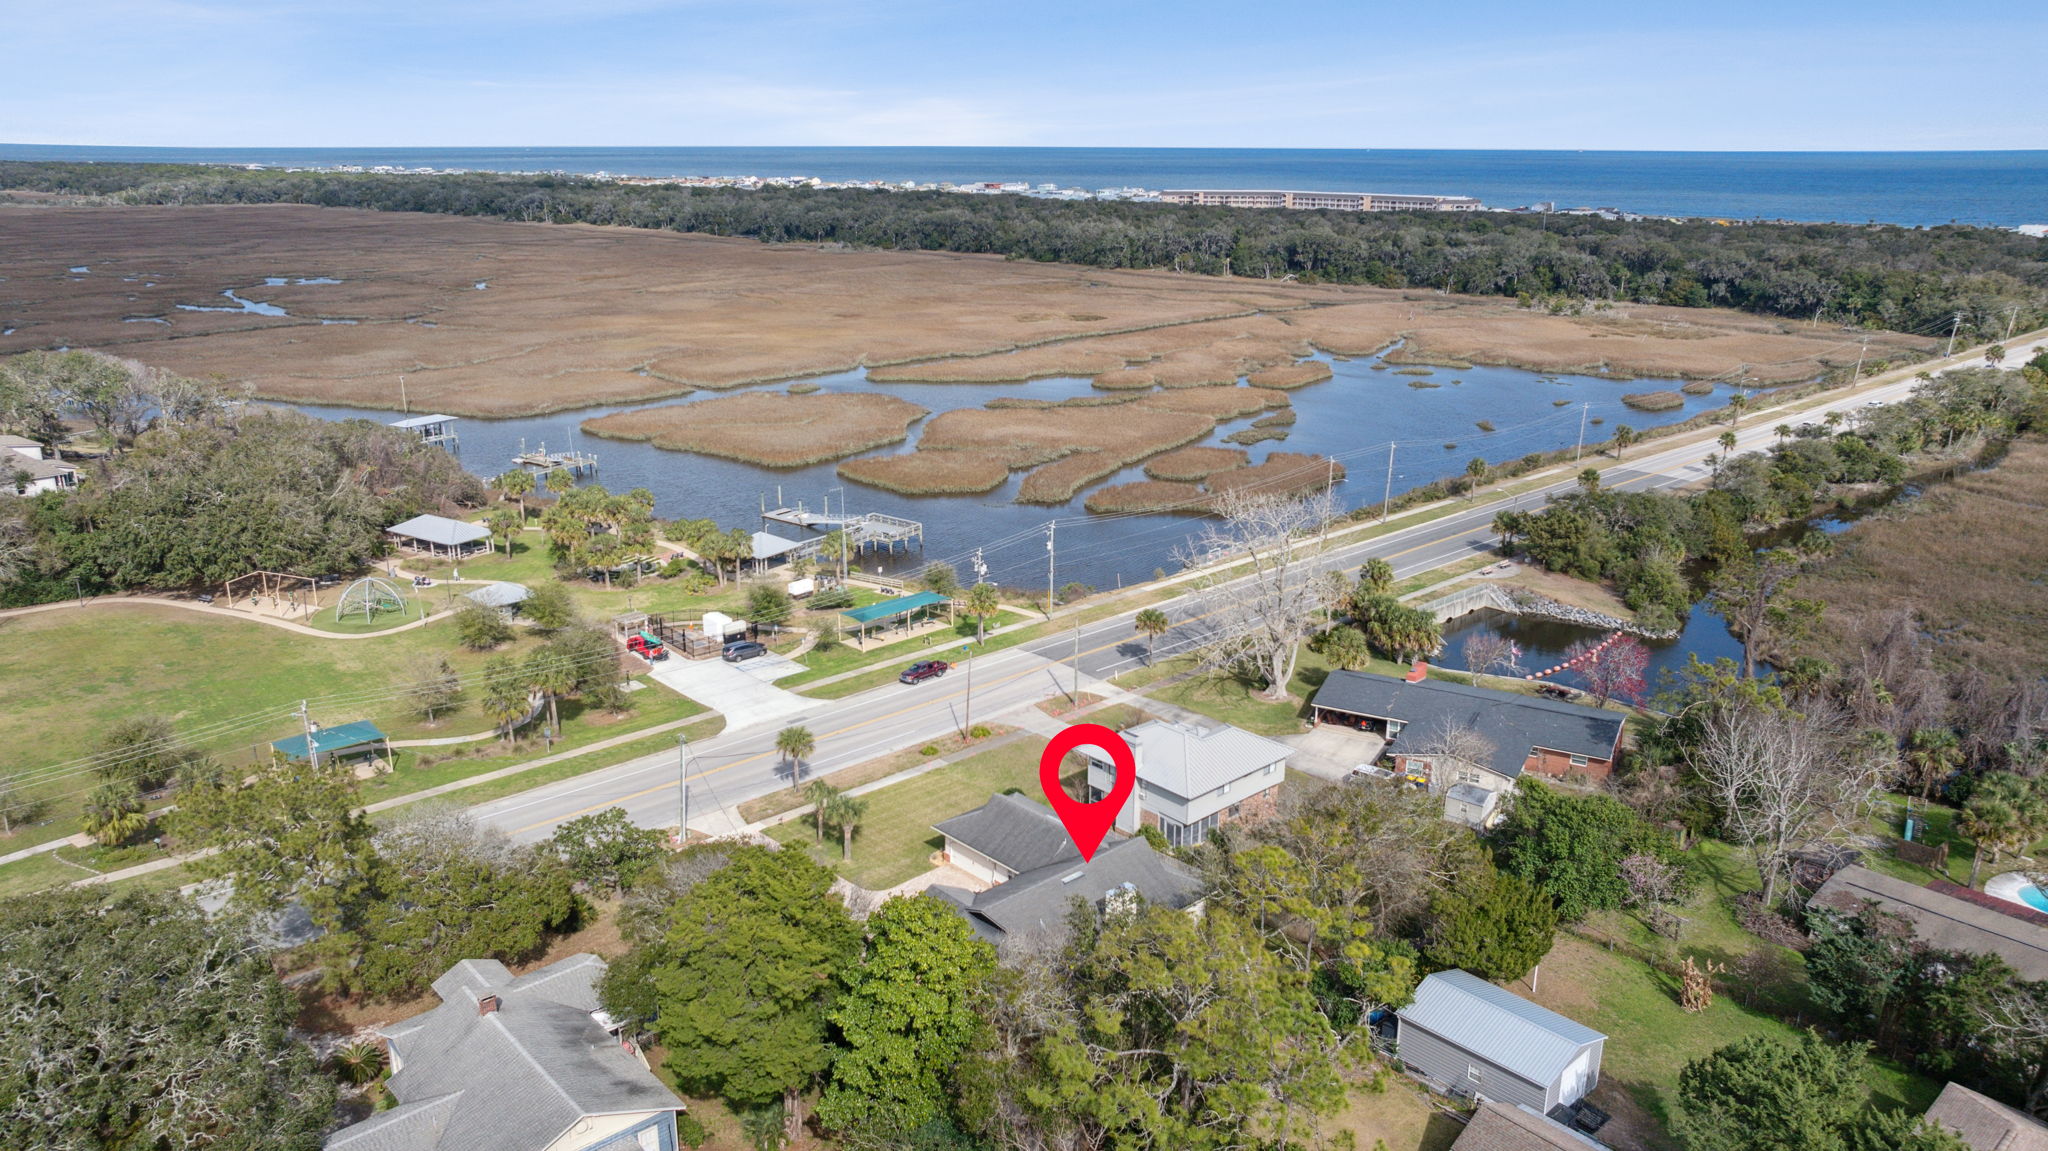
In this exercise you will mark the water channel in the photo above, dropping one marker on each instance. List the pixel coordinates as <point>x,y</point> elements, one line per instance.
<point>1351,417</point>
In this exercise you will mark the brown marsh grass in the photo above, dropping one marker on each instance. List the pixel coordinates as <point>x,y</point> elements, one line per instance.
<point>1952,558</point>
<point>1281,472</point>
<point>1147,496</point>
<point>1290,376</point>
<point>1653,401</point>
<point>1189,464</point>
<point>767,428</point>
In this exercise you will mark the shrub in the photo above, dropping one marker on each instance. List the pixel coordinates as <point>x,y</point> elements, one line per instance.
<point>928,749</point>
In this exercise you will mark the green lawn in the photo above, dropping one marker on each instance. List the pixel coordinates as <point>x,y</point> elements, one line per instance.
<point>1650,1038</point>
<point>895,840</point>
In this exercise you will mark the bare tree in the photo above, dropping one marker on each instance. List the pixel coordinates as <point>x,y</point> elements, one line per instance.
<point>1491,653</point>
<point>1783,779</point>
<point>1449,742</point>
<point>2016,1026</point>
<point>1258,622</point>
<point>1652,886</point>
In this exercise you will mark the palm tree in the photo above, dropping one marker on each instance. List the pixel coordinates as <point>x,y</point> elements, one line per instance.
<point>1737,404</point>
<point>796,744</point>
<point>507,523</point>
<point>554,676</point>
<point>113,813</point>
<point>983,600</point>
<point>1346,649</point>
<point>1932,753</point>
<point>845,814</point>
<point>1727,442</point>
<point>1509,525</point>
<point>1833,420</point>
<point>1714,464</point>
<point>1589,481</point>
<point>517,483</point>
<point>1475,472</point>
<point>359,1061</point>
<point>560,480</point>
<point>1624,438</point>
<point>1994,355</point>
<point>1376,577</point>
<point>505,701</point>
<point>1151,623</point>
<point>1783,432</point>
<point>820,796</point>
<point>1986,823</point>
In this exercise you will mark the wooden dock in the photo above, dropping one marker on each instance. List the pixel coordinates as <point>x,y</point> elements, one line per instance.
<point>542,460</point>
<point>874,530</point>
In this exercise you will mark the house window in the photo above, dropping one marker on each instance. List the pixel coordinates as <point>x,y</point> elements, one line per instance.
<point>1578,761</point>
<point>1224,790</point>
<point>1269,769</point>
<point>1187,834</point>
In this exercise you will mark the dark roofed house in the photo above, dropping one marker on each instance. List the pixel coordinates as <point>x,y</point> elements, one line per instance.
<point>1987,1124</point>
<point>1464,1035</point>
<point>1543,736</point>
<point>1942,920</point>
<point>1019,845</point>
<point>1040,899</point>
<point>517,1064</point>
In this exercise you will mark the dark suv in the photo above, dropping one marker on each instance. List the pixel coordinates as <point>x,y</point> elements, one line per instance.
<point>922,670</point>
<point>740,649</point>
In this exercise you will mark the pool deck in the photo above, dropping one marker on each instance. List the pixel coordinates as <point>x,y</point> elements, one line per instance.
<point>2011,886</point>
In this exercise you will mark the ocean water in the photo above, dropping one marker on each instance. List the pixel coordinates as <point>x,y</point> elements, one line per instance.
<point>2002,189</point>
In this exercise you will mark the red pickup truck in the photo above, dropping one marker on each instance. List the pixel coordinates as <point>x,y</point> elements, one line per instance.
<point>923,670</point>
<point>646,647</point>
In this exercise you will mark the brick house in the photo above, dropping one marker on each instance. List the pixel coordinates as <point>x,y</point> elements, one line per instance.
<point>1192,778</point>
<point>1518,733</point>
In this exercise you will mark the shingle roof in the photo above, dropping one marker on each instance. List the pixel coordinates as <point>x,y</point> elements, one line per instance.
<point>1021,834</point>
<point>440,530</point>
<point>1497,1025</point>
<point>1188,761</point>
<point>1039,899</point>
<point>1512,723</point>
<point>1987,1124</point>
<point>511,1080</point>
<point>1499,1127</point>
<point>1940,920</point>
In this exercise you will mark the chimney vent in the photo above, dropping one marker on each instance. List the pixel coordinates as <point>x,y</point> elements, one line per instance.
<point>487,1005</point>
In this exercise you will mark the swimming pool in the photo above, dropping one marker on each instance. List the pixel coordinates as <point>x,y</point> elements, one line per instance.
<point>2015,887</point>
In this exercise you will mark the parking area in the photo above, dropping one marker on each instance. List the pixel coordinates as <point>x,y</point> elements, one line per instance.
<point>744,692</point>
<point>1332,750</point>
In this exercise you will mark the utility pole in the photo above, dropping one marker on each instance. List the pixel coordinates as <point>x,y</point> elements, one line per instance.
<point>1953,329</point>
<point>1050,524</point>
<point>1859,360</point>
<point>2012,317</point>
<point>306,719</point>
<point>1387,504</point>
<point>1077,659</point>
<point>967,711</point>
<point>1330,486</point>
<point>1577,455</point>
<point>683,785</point>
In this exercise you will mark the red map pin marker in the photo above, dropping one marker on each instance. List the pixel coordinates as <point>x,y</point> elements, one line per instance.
<point>1087,823</point>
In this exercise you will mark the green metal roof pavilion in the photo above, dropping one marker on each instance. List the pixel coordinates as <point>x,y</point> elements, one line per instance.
<point>891,608</point>
<point>329,740</point>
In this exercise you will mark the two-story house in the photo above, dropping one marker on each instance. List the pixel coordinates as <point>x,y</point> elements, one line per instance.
<point>27,469</point>
<point>1193,778</point>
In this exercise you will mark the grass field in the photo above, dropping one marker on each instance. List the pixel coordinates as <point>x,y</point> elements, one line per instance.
<point>896,840</point>
<point>1650,1038</point>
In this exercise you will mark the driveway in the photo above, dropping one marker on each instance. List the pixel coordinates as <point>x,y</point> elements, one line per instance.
<point>1332,750</point>
<point>745,692</point>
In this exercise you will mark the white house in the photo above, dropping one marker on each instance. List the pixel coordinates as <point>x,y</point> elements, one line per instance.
<point>1193,778</point>
<point>26,469</point>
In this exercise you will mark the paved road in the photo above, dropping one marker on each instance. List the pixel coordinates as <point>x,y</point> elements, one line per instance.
<point>742,764</point>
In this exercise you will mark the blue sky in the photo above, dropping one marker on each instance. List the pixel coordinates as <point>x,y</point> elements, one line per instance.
<point>1794,74</point>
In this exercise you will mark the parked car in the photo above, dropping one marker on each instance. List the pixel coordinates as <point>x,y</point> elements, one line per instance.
<point>740,649</point>
<point>1370,771</point>
<point>924,669</point>
<point>642,646</point>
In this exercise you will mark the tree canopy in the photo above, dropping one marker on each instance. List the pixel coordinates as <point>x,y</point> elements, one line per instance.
<point>134,1023</point>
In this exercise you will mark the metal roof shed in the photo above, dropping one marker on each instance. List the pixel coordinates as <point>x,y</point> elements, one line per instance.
<point>340,739</point>
<point>501,595</point>
<point>888,609</point>
<point>439,534</point>
<point>1466,1035</point>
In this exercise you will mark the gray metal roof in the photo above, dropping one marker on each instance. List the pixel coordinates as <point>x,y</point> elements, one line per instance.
<point>1501,1027</point>
<point>512,1080</point>
<point>1189,761</point>
<point>767,546</point>
<point>1512,723</point>
<point>1040,899</point>
<point>501,594</point>
<point>1021,834</point>
<point>440,530</point>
